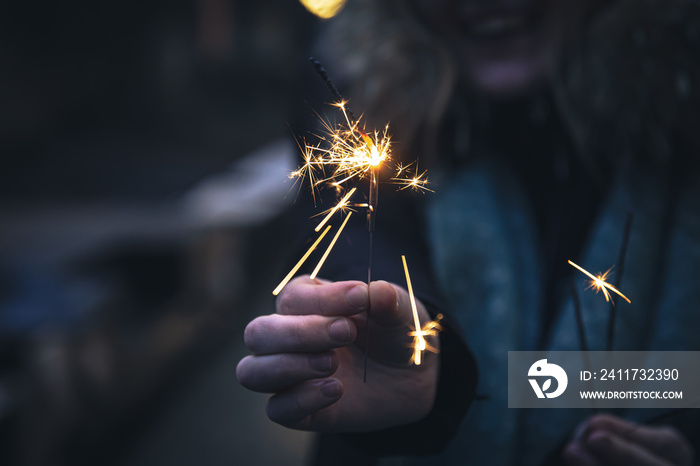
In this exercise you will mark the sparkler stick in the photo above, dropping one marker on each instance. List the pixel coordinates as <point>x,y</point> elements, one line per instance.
<point>582,335</point>
<point>371,219</point>
<point>330,246</point>
<point>599,283</point>
<point>334,90</point>
<point>294,270</point>
<point>621,268</point>
<point>374,161</point>
<point>352,153</point>
<point>579,316</point>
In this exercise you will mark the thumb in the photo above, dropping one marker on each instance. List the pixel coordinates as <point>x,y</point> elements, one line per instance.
<point>391,320</point>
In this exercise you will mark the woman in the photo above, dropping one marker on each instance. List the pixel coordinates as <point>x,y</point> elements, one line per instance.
<point>545,124</point>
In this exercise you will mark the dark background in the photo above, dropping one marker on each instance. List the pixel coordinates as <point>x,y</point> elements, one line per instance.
<point>121,317</point>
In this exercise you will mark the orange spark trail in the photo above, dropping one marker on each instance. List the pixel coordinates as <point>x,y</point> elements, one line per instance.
<point>419,344</point>
<point>294,270</point>
<point>599,283</point>
<point>330,246</point>
<point>343,202</point>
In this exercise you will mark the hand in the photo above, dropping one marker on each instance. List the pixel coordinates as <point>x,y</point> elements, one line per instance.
<point>609,440</point>
<point>310,355</point>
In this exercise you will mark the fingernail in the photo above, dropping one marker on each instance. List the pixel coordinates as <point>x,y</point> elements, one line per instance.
<point>330,389</point>
<point>321,362</point>
<point>357,297</point>
<point>340,331</point>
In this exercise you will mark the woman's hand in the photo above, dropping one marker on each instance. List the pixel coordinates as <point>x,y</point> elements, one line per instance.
<point>310,355</point>
<point>609,440</point>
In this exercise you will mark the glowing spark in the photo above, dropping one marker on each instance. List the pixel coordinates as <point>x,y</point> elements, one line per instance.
<point>294,270</point>
<point>330,246</point>
<point>432,328</point>
<point>419,344</point>
<point>324,9</point>
<point>350,152</point>
<point>307,169</point>
<point>340,206</point>
<point>599,283</point>
<point>417,182</point>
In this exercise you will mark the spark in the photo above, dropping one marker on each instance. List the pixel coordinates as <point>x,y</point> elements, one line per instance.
<point>294,270</point>
<point>407,178</point>
<point>432,328</point>
<point>429,329</point>
<point>349,152</point>
<point>343,204</point>
<point>417,183</point>
<point>400,168</point>
<point>330,246</point>
<point>599,283</point>
<point>307,169</point>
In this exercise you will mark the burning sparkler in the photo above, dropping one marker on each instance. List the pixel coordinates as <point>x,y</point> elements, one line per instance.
<point>353,154</point>
<point>599,283</point>
<point>346,152</point>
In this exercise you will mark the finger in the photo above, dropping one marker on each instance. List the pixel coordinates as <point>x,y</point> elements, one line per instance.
<point>576,454</point>
<point>613,450</point>
<point>304,296</point>
<point>391,320</point>
<point>275,372</point>
<point>391,305</point>
<point>665,441</point>
<point>295,408</point>
<point>298,334</point>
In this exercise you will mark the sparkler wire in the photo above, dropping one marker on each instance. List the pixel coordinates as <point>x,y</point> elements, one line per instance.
<point>373,189</point>
<point>620,269</point>
<point>326,80</point>
<point>582,335</point>
<point>371,219</point>
<point>369,280</point>
<point>579,316</point>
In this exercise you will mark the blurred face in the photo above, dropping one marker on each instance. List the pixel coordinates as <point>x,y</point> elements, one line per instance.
<point>506,47</point>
